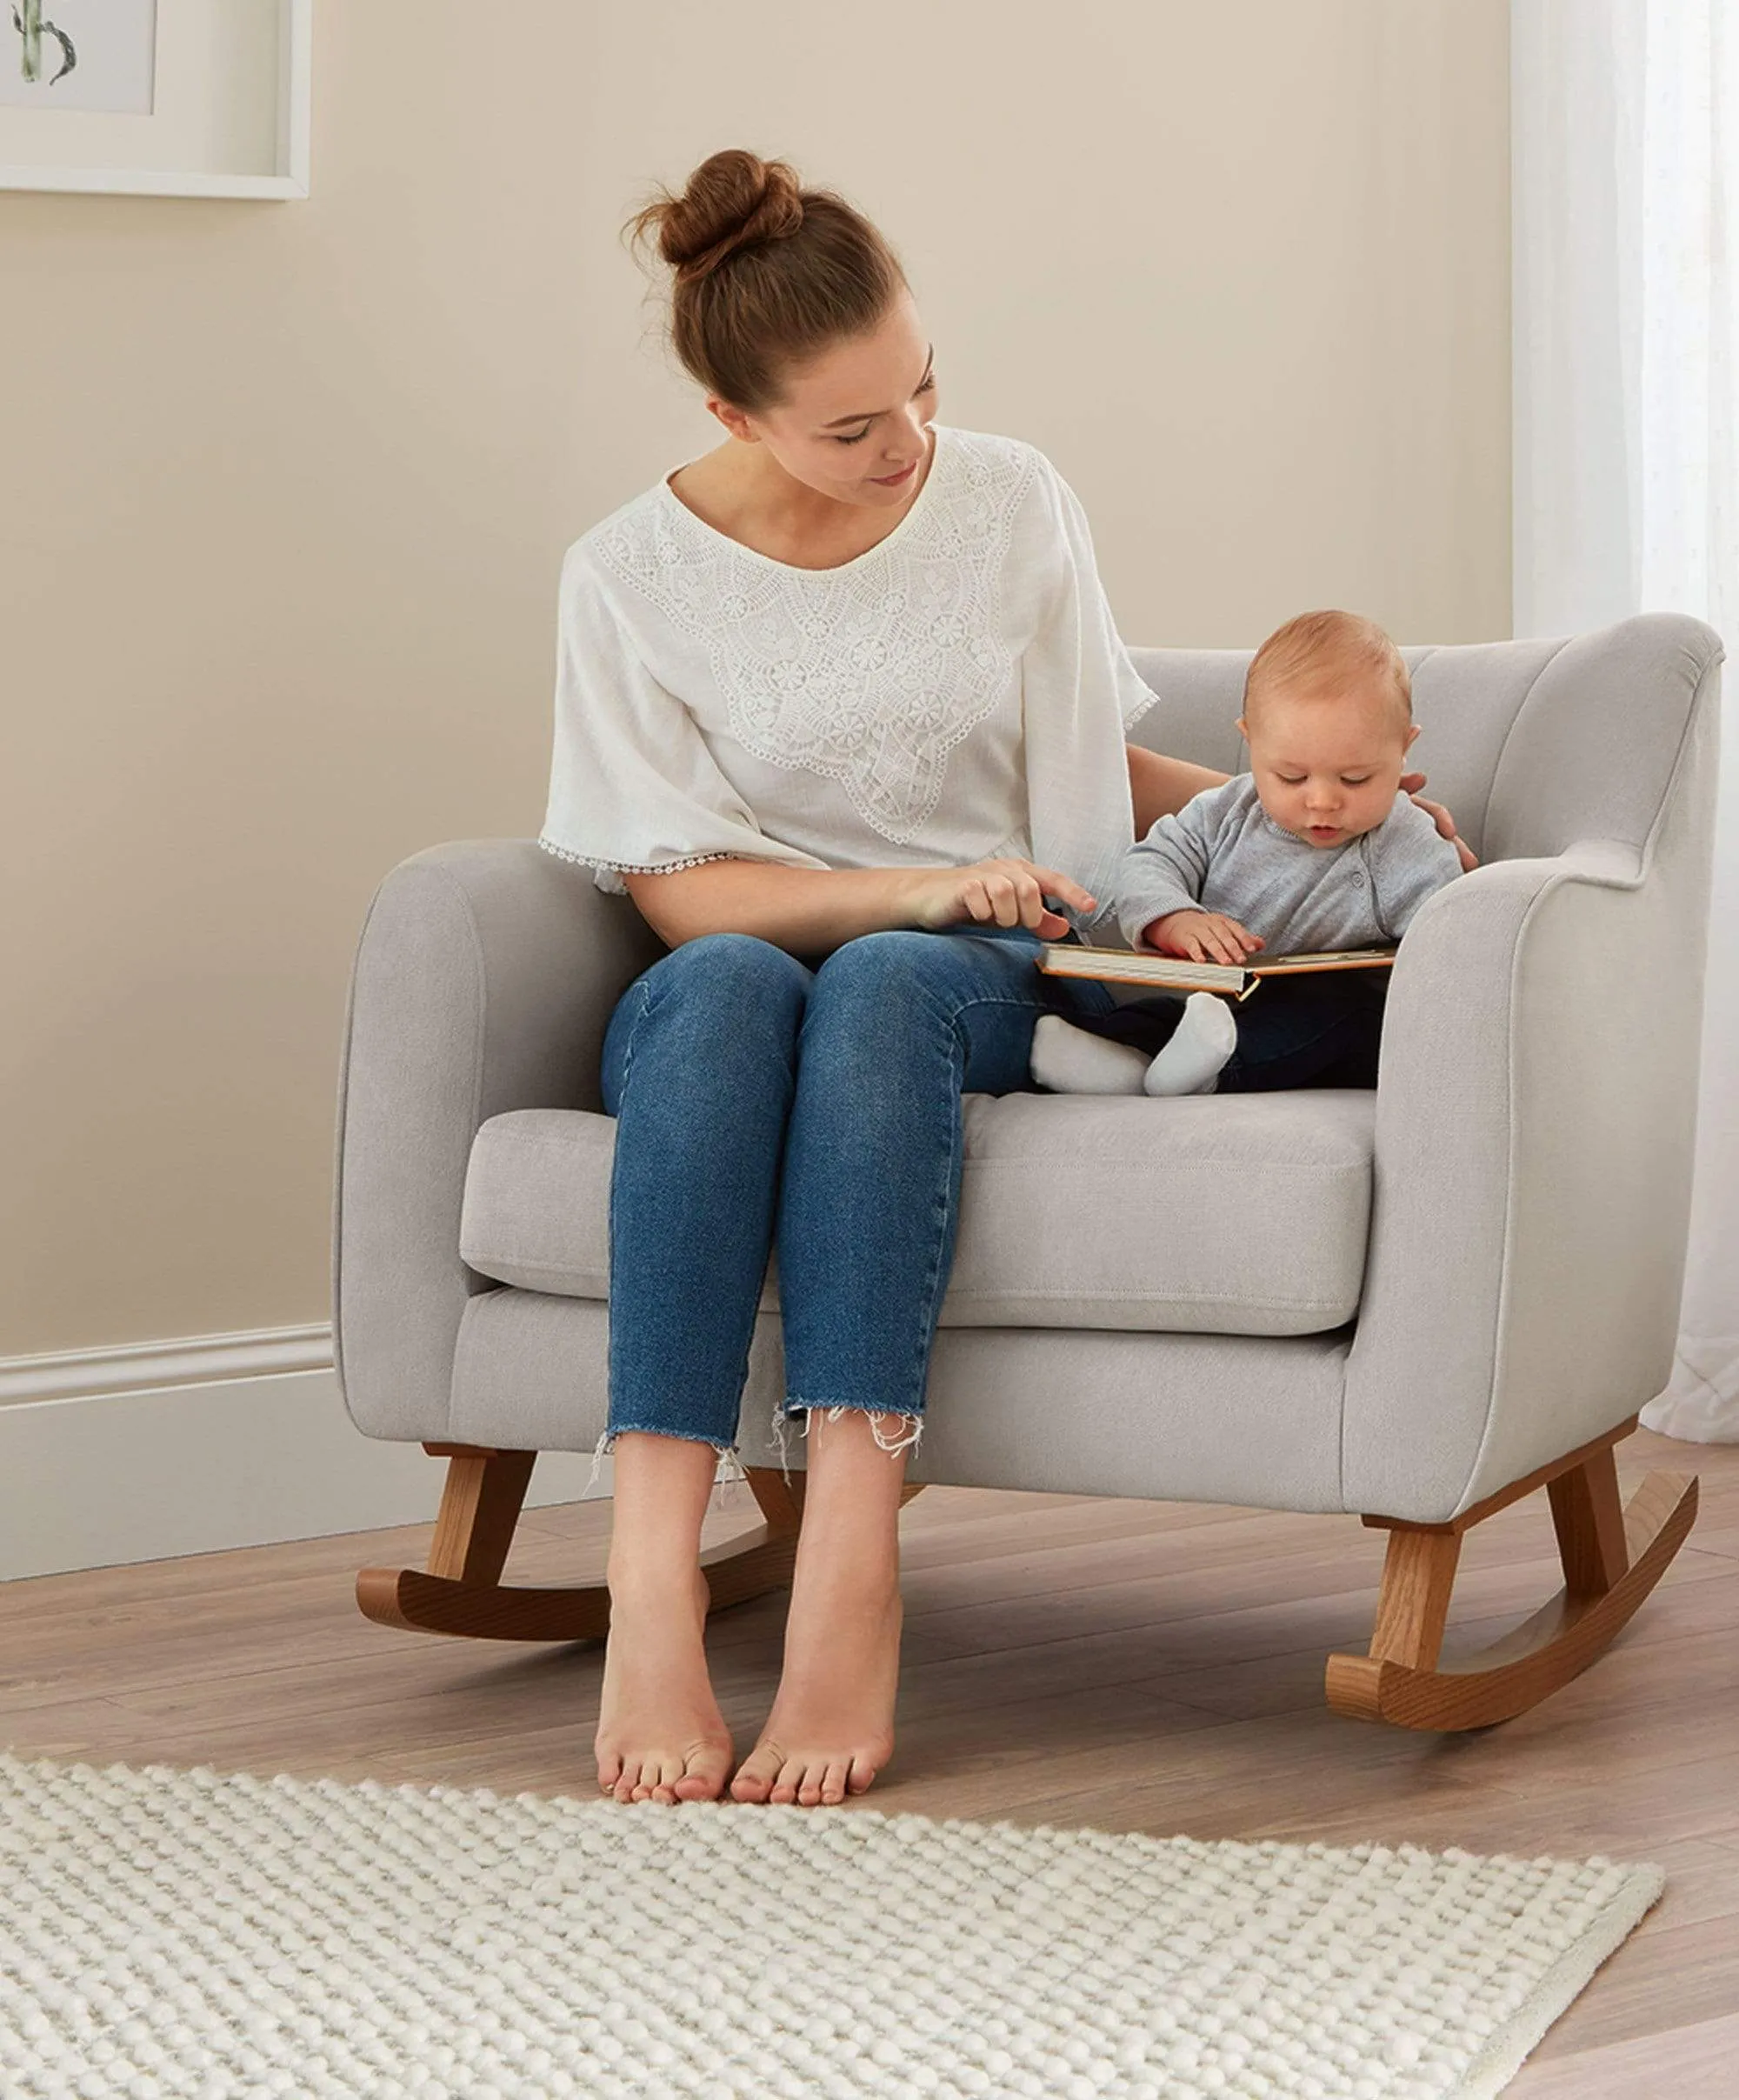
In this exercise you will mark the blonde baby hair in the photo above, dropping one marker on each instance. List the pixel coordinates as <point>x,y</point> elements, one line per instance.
<point>1319,650</point>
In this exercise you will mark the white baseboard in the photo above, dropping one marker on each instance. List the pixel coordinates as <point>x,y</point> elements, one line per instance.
<point>103,1461</point>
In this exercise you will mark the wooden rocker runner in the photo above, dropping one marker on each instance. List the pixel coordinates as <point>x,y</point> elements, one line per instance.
<point>1613,1556</point>
<point>461,1591</point>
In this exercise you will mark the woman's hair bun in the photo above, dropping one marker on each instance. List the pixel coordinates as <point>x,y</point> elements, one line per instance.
<point>733,200</point>
<point>767,273</point>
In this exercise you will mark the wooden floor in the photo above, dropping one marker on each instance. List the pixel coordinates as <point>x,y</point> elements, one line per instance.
<point>1116,1664</point>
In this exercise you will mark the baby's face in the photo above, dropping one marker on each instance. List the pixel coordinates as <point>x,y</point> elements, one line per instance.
<point>1328,762</point>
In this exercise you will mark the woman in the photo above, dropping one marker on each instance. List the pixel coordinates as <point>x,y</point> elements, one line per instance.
<point>842,705</point>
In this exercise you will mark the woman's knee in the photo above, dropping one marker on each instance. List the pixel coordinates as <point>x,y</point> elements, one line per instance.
<point>723,1007</point>
<point>903,967</point>
<point>731,970</point>
<point>877,964</point>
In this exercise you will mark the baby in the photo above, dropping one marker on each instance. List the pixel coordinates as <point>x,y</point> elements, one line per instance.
<point>1314,847</point>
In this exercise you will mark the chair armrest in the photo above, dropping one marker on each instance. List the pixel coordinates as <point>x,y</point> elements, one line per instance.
<point>484,977</point>
<point>1536,1119</point>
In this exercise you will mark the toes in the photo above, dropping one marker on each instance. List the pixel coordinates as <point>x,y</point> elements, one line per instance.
<point>767,1773</point>
<point>658,1781</point>
<point>701,1777</point>
<point>754,1781</point>
<point>610,1769</point>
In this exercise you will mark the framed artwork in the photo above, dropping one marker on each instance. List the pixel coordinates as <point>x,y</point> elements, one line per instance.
<point>161,97</point>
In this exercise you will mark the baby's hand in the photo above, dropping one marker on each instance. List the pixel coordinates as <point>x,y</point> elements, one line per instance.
<point>1201,937</point>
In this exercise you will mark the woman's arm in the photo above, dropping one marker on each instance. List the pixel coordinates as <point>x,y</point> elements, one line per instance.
<point>1159,786</point>
<point>806,911</point>
<point>812,911</point>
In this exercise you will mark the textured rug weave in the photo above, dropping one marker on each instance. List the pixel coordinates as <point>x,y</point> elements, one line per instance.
<point>169,1933</point>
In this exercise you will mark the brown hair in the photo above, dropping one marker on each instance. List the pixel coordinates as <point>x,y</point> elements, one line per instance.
<point>1317,647</point>
<point>767,273</point>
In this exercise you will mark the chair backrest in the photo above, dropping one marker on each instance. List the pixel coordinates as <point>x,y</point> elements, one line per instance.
<point>1533,744</point>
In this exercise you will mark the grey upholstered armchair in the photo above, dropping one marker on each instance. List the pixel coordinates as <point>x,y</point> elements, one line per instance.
<point>1417,1304</point>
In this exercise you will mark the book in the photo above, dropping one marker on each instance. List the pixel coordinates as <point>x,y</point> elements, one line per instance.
<point>1178,973</point>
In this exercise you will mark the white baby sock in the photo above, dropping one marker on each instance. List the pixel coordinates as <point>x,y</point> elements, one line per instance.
<point>1068,1060</point>
<point>1190,1063</point>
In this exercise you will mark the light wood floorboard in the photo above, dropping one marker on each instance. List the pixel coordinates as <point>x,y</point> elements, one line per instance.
<point>1123,1665</point>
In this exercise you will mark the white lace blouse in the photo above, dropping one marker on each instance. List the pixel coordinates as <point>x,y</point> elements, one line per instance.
<point>957,691</point>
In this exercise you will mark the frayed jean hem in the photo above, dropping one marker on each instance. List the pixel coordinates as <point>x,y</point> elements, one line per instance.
<point>731,1465</point>
<point>904,1438</point>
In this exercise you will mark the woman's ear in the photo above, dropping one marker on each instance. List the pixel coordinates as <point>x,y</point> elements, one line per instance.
<point>734,419</point>
<point>1412,735</point>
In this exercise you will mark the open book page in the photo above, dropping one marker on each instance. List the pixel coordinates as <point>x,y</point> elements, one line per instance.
<point>1175,973</point>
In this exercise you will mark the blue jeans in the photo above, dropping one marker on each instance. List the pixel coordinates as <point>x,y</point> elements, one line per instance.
<point>1318,1030</point>
<point>761,1103</point>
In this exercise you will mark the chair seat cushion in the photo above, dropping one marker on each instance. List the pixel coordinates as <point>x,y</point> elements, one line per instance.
<point>1246,1214</point>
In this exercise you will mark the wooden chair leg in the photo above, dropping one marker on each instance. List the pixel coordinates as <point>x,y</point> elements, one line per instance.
<point>1413,1604</point>
<point>480,1506</point>
<point>780,1500</point>
<point>461,1591</point>
<point>1613,1556</point>
<point>1589,1521</point>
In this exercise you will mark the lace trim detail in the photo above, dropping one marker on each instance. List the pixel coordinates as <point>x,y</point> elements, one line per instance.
<point>868,675</point>
<point>1134,715</point>
<point>629,867</point>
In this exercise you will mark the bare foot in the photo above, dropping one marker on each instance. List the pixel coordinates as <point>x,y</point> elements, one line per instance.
<point>660,1734</point>
<point>831,1729</point>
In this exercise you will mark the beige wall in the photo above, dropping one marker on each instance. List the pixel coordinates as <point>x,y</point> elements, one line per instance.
<point>283,488</point>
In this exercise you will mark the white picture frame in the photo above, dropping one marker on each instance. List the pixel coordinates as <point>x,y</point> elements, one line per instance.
<point>229,115</point>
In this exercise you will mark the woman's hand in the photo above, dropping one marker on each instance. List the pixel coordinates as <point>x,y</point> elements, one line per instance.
<point>1410,785</point>
<point>994,893</point>
<point>1201,937</point>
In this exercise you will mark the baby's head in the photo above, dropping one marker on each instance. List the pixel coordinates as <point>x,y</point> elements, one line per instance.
<point>1329,719</point>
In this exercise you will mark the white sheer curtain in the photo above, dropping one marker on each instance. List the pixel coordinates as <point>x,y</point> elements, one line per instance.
<point>1625,173</point>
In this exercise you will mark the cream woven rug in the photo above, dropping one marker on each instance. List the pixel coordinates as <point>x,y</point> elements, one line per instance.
<point>169,1933</point>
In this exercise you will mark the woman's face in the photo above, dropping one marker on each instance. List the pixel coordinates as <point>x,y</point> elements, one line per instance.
<point>854,422</point>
